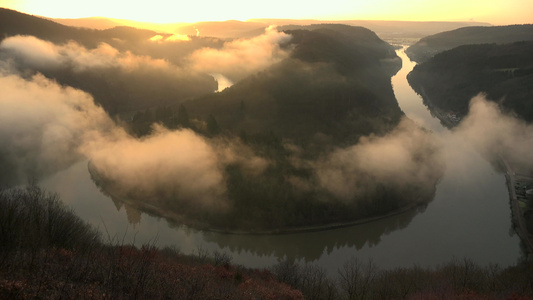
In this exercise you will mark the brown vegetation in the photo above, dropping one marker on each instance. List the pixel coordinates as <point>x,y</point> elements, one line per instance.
<point>128,273</point>
<point>38,260</point>
<point>458,279</point>
<point>52,254</point>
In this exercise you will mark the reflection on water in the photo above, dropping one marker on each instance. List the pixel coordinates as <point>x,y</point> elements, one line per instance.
<point>295,246</point>
<point>299,246</point>
<point>311,246</point>
<point>124,224</point>
<point>409,101</point>
<point>469,217</point>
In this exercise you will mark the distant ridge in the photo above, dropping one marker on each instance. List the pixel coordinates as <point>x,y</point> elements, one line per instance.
<point>382,27</point>
<point>116,91</point>
<point>503,71</point>
<point>92,22</point>
<point>431,45</point>
<point>15,23</point>
<point>221,29</point>
<point>252,27</point>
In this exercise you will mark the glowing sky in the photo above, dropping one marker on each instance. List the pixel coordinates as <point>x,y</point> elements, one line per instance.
<point>497,12</point>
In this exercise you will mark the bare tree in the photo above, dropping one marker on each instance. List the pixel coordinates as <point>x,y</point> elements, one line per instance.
<point>355,278</point>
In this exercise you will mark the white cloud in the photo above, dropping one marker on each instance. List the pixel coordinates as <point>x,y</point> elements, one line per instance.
<point>242,57</point>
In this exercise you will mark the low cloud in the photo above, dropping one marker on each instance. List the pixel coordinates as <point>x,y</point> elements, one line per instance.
<point>496,134</point>
<point>118,81</point>
<point>31,52</point>
<point>410,155</point>
<point>171,38</point>
<point>42,124</point>
<point>178,165</point>
<point>166,165</point>
<point>123,80</point>
<point>406,155</point>
<point>34,53</point>
<point>242,57</point>
<point>45,127</point>
<point>223,82</point>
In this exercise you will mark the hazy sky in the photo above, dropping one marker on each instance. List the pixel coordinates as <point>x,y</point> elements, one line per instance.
<point>497,12</point>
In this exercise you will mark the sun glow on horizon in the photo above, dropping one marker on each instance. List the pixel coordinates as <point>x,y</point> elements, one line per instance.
<point>498,12</point>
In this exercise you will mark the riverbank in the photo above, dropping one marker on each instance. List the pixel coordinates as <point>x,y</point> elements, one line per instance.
<point>183,220</point>
<point>179,219</point>
<point>517,204</point>
<point>435,111</point>
<point>321,227</point>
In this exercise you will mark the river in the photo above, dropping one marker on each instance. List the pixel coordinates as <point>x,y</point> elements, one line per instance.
<point>469,217</point>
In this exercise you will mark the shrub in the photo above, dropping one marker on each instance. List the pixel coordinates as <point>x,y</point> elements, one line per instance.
<point>31,218</point>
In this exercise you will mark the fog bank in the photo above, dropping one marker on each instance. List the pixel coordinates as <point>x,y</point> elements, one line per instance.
<point>42,126</point>
<point>406,155</point>
<point>242,57</point>
<point>46,126</point>
<point>496,134</point>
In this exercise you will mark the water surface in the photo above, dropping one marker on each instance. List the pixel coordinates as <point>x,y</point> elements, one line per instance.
<point>469,216</point>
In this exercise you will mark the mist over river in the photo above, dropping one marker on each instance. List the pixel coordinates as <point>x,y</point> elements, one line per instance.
<point>468,217</point>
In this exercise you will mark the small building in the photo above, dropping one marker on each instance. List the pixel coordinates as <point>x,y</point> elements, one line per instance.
<point>529,196</point>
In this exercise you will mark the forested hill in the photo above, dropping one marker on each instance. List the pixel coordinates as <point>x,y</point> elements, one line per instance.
<point>16,23</point>
<point>125,66</point>
<point>504,72</point>
<point>332,92</point>
<point>336,83</point>
<point>356,38</point>
<point>290,145</point>
<point>433,44</point>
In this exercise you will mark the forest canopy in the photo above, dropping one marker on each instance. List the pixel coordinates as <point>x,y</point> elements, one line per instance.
<point>307,131</point>
<point>504,72</point>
